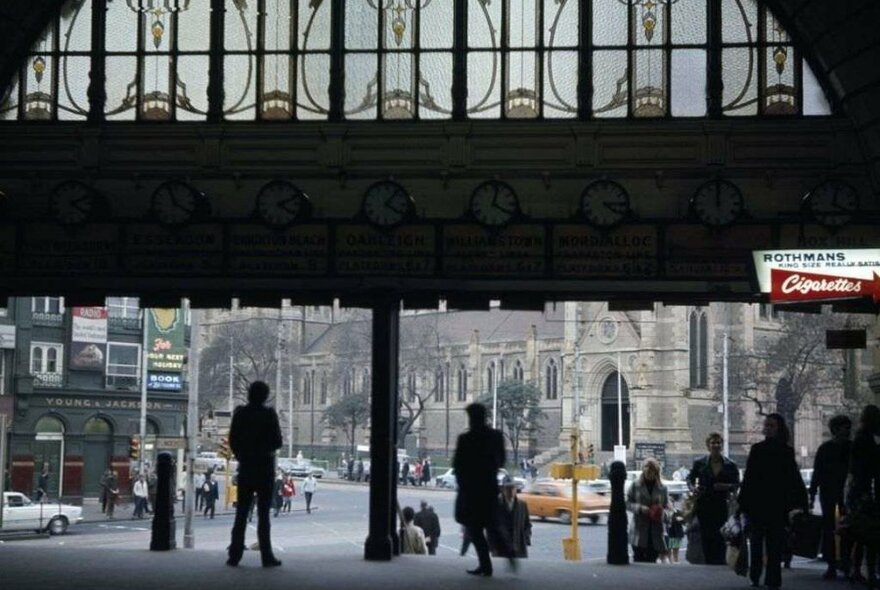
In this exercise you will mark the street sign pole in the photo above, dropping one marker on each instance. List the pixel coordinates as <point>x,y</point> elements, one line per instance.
<point>192,427</point>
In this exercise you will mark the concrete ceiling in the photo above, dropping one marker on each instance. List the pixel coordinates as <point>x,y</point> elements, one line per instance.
<point>842,38</point>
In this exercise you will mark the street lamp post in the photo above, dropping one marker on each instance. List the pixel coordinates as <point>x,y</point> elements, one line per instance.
<point>494,364</point>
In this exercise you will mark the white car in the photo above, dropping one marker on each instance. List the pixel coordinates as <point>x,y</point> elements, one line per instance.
<point>20,513</point>
<point>448,480</point>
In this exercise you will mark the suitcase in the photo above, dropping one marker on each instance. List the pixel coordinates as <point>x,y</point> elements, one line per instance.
<point>806,535</point>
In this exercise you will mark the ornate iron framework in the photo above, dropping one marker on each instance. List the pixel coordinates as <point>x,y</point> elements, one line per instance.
<point>334,60</point>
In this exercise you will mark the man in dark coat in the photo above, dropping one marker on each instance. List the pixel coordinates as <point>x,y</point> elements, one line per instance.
<point>829,476</point>
<point>771,488</point>
<point>513,519</point>
<point>479,454</point>
<point>427,519</point>
<point>254,437</point>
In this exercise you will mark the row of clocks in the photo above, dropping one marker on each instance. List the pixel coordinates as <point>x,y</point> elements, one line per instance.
<point>494,204</point>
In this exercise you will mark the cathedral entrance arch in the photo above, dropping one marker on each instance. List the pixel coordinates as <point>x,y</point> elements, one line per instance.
<point>610,409</point>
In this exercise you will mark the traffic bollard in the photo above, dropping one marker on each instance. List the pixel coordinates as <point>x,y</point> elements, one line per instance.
<point>164,529</point>
<point>618,552</point>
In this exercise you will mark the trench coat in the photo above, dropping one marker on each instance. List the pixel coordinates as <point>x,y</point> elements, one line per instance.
<point>643,532</point>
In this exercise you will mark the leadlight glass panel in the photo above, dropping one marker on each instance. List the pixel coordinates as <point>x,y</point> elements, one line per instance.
<point>645,58</point>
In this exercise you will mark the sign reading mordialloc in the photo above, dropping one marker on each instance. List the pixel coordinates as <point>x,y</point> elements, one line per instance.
<point>818,275</point>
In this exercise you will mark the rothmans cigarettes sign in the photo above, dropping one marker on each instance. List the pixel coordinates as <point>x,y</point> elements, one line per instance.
<point>818,275</point>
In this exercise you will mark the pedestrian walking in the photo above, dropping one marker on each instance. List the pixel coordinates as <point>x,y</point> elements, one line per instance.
<point>771,488</point>
<point>404,472</point>
<point>360,469</point>
<point>140,492</point>
<point>427,520</point>
<point>426,471</point>
<point>417,474</point>
<point>152,482</point>
<point>712,480</point>
<point>210,494</point>
<point>254,437</point>
<point>675,535</point>
<point>42,494</point>
<point>350,468</point>
<point>412,537</point>
<point>309,487</point>
<point>513,520</point>
<point>648,500</point>
<point>830,468</point>
<point>288,491</point>
<point>278,493</point>
<point>198,487</point>
<point>112,494</point>
<point>479,454</point>
<point>104,494</point>
<point>863,497</point>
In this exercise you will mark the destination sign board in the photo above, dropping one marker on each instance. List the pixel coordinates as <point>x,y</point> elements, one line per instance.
<point>156,249</point>
<point>298,250</point>
<point>698,252</point>
<point>53,249</point>
<point>405,250</point>
<point>471,250</point>
<point>581,251</point>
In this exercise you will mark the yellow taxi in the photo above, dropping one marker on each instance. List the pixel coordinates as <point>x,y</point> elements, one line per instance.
<point>552,499</point>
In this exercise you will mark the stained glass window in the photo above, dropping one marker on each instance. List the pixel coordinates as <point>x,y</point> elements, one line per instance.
<point>401,59</point>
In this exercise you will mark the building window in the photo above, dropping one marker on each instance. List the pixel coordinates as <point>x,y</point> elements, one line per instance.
<point>698,341</point>
<point>366,385</point>
<point>46,364</point>
<point>123,307</point>
<point>2,372</point>
<point>439,385</point>
<point>307,389</point>
<point>411,387</point>
<point>767,311</point>
<point>551,379</point>
<point>324,388</point>
<point>347,384</point>
<point>518,373</point>
<point>461,374</point>
<point>50,305</point>
<point>123,365</point>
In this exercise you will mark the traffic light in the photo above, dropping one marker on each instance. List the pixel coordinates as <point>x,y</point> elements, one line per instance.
<point>591,453</point>
<point>134,448</point>
<point>224,450</point>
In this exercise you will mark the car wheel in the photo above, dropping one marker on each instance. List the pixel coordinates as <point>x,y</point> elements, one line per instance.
<point>593,518</point>
<point>57,526</point>
<point>565,517</point>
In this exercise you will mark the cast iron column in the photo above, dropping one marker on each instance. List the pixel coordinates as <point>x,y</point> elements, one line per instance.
<point>164,529</point>
<point>618,552</point>
<point>383,411</point>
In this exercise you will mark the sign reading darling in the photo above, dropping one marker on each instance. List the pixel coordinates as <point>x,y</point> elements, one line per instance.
<point>818,275</point>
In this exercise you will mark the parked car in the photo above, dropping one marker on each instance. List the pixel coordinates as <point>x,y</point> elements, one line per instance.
<point>20,513</point>
<point>552,499</point>
<point>601,487</point>
<point>300,467</point>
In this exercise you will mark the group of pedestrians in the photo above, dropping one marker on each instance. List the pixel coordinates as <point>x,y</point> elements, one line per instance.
<point>284,490</point>
<point>418,473</point>
<point>846,477</point>
<point>420,531</point>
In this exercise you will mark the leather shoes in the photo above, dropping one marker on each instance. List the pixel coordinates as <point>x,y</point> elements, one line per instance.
<point>233,561</point>
<point>271,563</point>
<point>479,572</point>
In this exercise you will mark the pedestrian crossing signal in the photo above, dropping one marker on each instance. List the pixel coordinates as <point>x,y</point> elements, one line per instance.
<point>591,453</point>
<point>134,448</point>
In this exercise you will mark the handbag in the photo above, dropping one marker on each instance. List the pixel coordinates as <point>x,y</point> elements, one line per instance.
<point>806,535</point>
<point>732,529</point>
<point>694,552</point>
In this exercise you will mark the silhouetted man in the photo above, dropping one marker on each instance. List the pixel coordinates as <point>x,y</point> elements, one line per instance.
<point>254,437</point>
<point>479,454</point>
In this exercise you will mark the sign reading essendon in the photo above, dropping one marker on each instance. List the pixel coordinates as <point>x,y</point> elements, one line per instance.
<point>818,275</point>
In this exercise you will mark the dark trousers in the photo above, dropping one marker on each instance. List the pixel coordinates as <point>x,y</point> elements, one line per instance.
<point>309,502</point>
<point>432,547</point>
<point>711,520</point>
<point>245,500</point>
<point>477,536</point>
<point>828,542</point>
<point>209,507</point>
<point>771,535</point>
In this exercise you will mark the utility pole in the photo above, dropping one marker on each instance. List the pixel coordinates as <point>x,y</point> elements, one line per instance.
<point>142,430</point>
<point>231,372</point>
<point>494,392</point>
<point>192,427</point>
<point>725,415</point>
<point>619,403</point>
<point>290,414</point>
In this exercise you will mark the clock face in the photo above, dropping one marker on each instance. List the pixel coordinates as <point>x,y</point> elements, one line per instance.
<point>176,203</point>
<point>280,203</point>
<point>73,202</point>
<point>605,203</point>
<point>387,204</point>
<point>494,204</point>
<point>718,203</point>
<point>832,203</point>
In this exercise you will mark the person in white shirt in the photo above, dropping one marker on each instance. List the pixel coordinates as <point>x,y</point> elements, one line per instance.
<point>309,487</point>
<point>412,537</point>
<point>140,491</point>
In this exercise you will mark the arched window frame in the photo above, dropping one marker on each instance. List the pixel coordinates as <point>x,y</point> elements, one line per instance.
<point>698,353</point>
<point>324,388</point>
<point>461,382</point>
<point>440,384</point>
<point>518,371</point>
<point>551,379</point>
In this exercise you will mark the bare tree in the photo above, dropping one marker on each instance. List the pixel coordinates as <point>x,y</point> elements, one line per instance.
<point>421,375</point>
<point>519,407</point>
<point>347,414</point>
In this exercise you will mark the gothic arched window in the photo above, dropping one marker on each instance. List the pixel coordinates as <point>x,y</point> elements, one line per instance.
<point>698,342</point>
<point>551,380</point>
<point>461,375</point>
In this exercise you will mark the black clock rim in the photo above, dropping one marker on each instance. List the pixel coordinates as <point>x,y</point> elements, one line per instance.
<point>807,203</point>
<point>718,181</point>
<point>623,216</point>
<point>302,214</point>
<point>410,203</point>
<point>54,210</point>
<point>513,217</point>
<point>201,208</point>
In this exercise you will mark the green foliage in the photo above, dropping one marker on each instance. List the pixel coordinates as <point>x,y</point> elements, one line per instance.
<point>519,411</point>
<point>347,413</point>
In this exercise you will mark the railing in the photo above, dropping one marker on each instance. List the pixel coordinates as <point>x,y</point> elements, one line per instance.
<point>48,380</point>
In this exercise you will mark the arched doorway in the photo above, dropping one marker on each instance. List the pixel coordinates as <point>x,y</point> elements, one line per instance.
<point>610,409</point>
<point>97,453</point>
<point>49,452</point>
